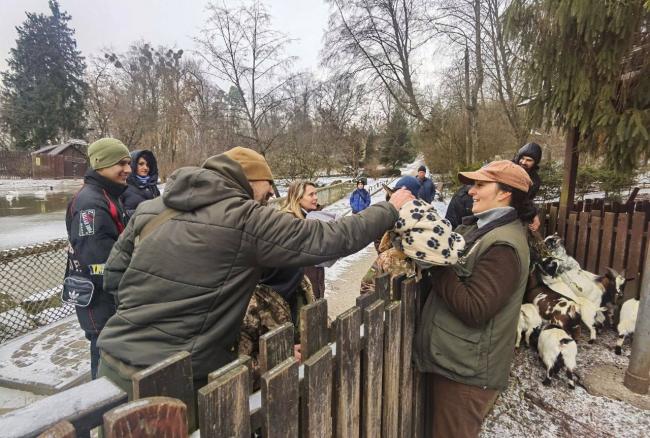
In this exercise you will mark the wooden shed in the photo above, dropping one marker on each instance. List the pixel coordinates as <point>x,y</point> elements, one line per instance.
<point>66,160</point>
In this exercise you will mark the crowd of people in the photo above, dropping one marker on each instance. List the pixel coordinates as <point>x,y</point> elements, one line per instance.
<point>209,267</point>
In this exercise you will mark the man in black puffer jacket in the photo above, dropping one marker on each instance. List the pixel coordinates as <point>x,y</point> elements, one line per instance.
<point>94,220</point>
<point>143,181</point>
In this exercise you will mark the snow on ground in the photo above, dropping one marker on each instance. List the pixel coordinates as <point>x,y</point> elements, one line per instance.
<point>529,409</point>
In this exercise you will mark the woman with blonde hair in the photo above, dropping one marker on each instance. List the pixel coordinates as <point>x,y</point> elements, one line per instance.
<point>301,200</point>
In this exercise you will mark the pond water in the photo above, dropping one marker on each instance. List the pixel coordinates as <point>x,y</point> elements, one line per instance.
<point>34,216</point>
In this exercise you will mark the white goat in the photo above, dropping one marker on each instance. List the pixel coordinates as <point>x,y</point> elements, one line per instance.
<point>627,322</point>
<point>589,314</point>
<point>557,350</point>
<point>529,320</point>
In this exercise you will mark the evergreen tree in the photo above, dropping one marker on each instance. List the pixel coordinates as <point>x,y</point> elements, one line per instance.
<point>587,67</point>
<point>396,147</point>
<point>43,91</point>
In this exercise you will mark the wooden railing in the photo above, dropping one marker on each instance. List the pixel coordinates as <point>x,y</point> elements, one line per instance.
<point>355,379</point>
<point>610,235</point>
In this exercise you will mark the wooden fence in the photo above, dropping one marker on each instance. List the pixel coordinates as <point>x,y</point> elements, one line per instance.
<point>18,164</point>
<point>355,380</point>
<point>601,235</point>
<point>15,164</point>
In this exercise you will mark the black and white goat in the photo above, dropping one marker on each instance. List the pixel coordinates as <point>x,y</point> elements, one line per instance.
<point>601,290</point>
<point>557,350</point>
<point>627,322</point>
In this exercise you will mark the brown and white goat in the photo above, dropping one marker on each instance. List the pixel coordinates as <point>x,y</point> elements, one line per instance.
<point>552,306</point>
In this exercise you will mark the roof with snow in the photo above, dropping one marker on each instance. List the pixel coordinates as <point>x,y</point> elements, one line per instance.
<point>57,149</point>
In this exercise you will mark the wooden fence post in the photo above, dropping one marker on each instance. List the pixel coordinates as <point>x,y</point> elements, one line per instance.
<point>223,405</point>
<point>390,402</point>
<point>409,289</point>
<point>605,257</point>
<point>594,242</point>
<point>382,286</point>
<point>316,395</point>
<point>241,360</point>
<point>280,400</point>
<point>633,265</point>
<point>275,347</point>
<point>147,418</point>
<point>372,370</point>
<point>171,377</point>
<point>313,328</point>
<point>348,373</point>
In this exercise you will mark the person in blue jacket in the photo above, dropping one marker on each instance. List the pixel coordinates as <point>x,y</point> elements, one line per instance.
<point>427,188</point>
<point>360,198</point>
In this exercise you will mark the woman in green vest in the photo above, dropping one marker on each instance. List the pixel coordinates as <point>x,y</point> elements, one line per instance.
<point>467,334</point>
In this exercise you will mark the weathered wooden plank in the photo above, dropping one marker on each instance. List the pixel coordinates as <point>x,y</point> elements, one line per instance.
<point>607,242</point>
<point>347,379</point>
<point>406,370</point>
<point>570,242</point>
<point>382,286</point>
<point>275,347</point>
<point>594,243</point>
<point>63,429</point>
<point>365,300</point>
<point>396,287</point>
<point>620,248</point>
<point>633,266</point>
<point>82,405</point>
<point>391,398</point>
<point>148,417</point>
<point>372,370</point>
<point>241,360</point>
<point>583,238</point>
<point>562,221</point>
<point>552,220</point>
<point>313,328</point>
<point>171,377</point>
<point>316,395</point>
<point>419,397</point>
<point>223,405</point>
<point>280,406</point>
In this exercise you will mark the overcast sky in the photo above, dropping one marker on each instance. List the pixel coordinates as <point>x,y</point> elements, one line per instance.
<point>116,24</point>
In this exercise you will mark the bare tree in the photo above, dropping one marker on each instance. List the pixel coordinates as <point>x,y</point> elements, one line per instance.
<point>240,47</point>
<point>379,38</point>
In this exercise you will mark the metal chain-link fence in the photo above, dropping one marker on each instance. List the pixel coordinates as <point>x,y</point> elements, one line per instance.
<point>31,279</point>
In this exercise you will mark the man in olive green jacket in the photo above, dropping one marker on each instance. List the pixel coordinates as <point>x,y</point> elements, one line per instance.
<point>186,285</point>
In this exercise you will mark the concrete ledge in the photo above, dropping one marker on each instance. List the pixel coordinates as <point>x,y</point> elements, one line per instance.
<point>47,360</point>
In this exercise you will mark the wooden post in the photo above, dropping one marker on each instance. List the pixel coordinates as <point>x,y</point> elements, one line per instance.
<point>275,347</point>
<point>171,377</point>
<point>316,395</point>
<point>223,405</point>
<point>636,375</point>
<point>571,158</point>
<point>348,373</point>
<point>390,403</point>
<point>313,328</point>
<point>280,400</point>
<point>409,289</point>
<point>372,370</point>
<point>148,417</point>
<point>382,286</point>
